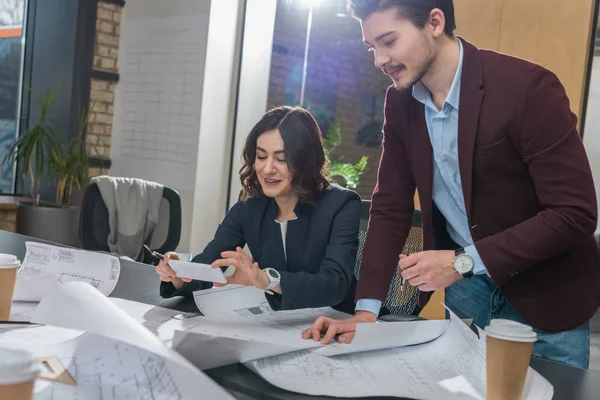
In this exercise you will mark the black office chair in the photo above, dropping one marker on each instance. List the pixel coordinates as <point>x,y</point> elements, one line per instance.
<point>402,300</point>
<point>94,228</point>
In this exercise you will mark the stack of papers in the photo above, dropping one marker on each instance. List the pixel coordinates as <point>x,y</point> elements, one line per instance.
<point>417,359</point>
<point>116,348</point>
<point>239,326</point>
<point>108,354</point>
<point>450,367</point>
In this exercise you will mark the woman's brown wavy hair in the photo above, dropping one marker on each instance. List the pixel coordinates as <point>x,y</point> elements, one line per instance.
<point>303,147</point>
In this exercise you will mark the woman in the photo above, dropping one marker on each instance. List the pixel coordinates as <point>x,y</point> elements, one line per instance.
<point>302,231</point>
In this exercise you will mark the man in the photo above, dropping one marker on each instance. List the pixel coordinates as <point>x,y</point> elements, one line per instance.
<point>507,197</point>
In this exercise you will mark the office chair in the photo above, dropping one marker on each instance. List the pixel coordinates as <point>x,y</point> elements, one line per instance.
<point>94,228</point>
<point>402,300</point>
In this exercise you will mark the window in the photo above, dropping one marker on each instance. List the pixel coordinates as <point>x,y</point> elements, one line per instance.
<point>11,61</point>
<point>319,61</point>
<point>370,120</point>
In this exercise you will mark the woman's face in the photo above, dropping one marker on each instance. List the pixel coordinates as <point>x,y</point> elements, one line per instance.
<point>270,165</point>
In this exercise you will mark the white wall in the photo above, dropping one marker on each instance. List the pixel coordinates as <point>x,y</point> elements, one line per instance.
<point>254,79</point>
<point>216,126</point>
<point>178,67</point>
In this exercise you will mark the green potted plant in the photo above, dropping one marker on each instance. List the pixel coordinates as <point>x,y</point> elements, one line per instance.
<point>344,174</point>
<point>40,152</point>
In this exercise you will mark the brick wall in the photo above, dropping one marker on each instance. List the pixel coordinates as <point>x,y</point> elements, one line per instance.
<point>340,71</point>
<point>106,51</point>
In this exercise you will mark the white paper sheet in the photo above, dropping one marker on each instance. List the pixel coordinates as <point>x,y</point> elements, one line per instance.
<point>248,305</point>
<point>213,342</point>
<point>240,323</point>
<point>451,367</point>
<point>45,267</point>
<point>216,343</point>
<point>22,310</point>
<point>35,335</point>
<point>198,337</point>
<point>163,322</point>
<point>201,272</point>
<point>386,335</point>
<point>77,305</point>
<point>106,369</point>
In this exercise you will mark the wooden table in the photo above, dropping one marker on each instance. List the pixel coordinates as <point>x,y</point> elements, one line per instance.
<point>8,212</point>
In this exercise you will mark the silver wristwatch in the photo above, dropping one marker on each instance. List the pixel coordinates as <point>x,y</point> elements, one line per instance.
<point>463,263</point>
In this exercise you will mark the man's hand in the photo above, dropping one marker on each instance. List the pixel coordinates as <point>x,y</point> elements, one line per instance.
<point>429,270</point>
<point>344,329</point>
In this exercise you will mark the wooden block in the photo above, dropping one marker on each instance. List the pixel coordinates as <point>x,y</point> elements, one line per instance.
<point>434,309</point>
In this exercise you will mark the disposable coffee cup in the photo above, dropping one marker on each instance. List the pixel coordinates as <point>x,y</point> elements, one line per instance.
<point>9,265</point>
<point>509,345</point>
<point>18,371</point>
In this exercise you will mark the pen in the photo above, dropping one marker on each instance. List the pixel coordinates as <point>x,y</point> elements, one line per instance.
<point>157,257</point>
<point>16,323</point>
<point>155,254</point>
<point>402,280</point>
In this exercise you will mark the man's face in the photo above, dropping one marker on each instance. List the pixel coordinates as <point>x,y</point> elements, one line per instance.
<point>404,52</point>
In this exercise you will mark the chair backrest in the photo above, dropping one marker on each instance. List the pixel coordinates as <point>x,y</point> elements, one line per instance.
<point>94,227</point>
<point>401,299</point>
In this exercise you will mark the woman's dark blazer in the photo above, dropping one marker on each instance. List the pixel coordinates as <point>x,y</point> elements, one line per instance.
<point>321,247</point>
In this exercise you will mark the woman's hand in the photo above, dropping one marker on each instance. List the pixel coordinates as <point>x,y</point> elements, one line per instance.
<point>246,272</point>
<point>166,273</point>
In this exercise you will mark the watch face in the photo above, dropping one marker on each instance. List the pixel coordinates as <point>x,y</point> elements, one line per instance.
<point>273,274</point>
<point>463,263</point>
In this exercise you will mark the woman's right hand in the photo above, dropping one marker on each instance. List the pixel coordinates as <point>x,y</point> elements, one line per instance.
<point>166,273</point>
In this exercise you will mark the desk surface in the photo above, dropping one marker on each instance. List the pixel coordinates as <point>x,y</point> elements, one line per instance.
<point>139,282</point>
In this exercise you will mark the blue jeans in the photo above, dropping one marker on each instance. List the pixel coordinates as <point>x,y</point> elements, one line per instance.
<point>480,299</point>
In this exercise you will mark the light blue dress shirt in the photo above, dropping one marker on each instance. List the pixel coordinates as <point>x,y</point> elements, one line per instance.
<point>442,126</point>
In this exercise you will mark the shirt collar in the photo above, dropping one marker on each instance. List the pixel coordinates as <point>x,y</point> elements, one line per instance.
<point>422,94</point>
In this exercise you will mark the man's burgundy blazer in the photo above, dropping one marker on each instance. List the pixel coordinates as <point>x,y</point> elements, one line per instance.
<point>527,185</point>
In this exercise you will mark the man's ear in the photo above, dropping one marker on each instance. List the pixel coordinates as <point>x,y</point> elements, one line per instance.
<point>437,22</point>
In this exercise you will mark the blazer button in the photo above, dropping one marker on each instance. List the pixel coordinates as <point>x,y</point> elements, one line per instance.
<point>294,304</point>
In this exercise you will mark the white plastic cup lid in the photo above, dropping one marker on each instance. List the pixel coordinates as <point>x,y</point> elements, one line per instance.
<point>505,329</point>
<point>17,366</point>
<point>9,261</point>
